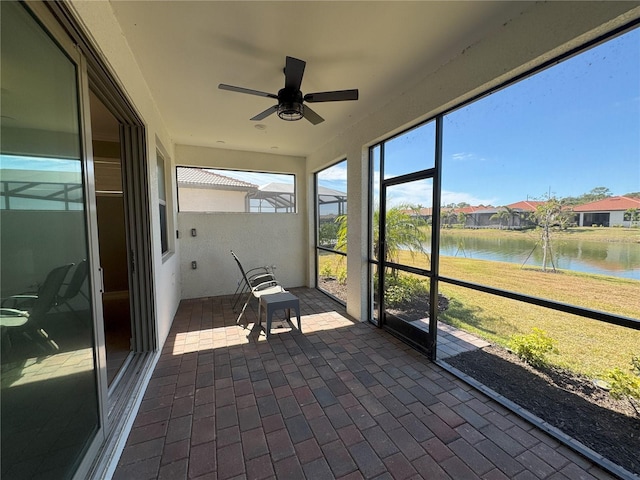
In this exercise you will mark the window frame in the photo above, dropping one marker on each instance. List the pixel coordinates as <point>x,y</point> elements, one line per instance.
<point>290,209</point>
<point>320,248</point>
<point>438,118</point>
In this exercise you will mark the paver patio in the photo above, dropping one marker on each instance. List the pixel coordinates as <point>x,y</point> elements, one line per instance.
<point>341,400</point>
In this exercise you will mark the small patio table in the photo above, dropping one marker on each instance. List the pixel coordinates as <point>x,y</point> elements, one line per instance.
<point>278,301</point>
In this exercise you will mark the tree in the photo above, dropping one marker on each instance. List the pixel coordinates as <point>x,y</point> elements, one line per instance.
<point>503,213</point>
<point>597,193</point>
<point>547,215</point>
<point>341,233</point>
<point>544,216</point>
<point>633,216</point>
<point>327,231</point>
<point>447,216</point>
<point>462,218</point>
<point>405,231</point>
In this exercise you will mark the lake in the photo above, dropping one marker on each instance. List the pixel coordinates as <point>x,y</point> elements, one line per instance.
<point>613,259</point>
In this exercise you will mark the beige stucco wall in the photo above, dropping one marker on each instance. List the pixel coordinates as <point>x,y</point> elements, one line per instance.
<point>211,200</point>
<point>257,238</point>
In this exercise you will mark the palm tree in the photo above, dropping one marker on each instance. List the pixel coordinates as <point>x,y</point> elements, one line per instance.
<point>501,214</point>
<point>462,218</point>
<point>404,231</point>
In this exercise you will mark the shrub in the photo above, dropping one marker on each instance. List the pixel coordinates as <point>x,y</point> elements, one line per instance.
<point>623,384</point>
<point>326,271</point>
<point>533,348</point>
<point>402,290</point>
<point>635,362</point>
<point>397,296</point>
<point>342,276</point>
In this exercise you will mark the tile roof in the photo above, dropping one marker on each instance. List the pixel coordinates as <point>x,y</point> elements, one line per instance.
<point>424,211</point>
<point>200,176</point>
<point>525,205</point>
<point>476,209</point>
<point>609,204</point>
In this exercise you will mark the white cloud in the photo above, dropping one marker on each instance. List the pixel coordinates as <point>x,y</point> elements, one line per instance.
<point>460,197</point>
<point>337,172</point>
<point>466,157</point>
<point>414,193</point>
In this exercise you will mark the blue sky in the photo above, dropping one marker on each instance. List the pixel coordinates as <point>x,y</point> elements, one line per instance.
<point>566,130</point>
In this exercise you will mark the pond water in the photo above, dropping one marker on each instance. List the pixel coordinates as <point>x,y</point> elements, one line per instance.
<point>613,259</point>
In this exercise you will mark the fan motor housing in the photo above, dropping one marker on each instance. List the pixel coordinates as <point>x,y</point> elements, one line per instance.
<point>290,104</point>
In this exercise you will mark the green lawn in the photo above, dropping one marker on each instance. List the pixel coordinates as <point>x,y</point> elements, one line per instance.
<point>584,346</point>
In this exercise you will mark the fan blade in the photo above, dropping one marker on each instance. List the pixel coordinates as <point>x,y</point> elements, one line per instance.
<point>312,116</point>
<point>231,88</point>
<point>266,113</point>
<point>337,96</point>
<point>293,71</point>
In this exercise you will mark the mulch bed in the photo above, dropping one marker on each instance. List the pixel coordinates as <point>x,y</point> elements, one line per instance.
<point>569,402</point>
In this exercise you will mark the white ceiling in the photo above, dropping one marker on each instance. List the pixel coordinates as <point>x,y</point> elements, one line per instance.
<point>185,49</point>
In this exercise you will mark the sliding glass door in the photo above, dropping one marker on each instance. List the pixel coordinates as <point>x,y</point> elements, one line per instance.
<point>49,385</point>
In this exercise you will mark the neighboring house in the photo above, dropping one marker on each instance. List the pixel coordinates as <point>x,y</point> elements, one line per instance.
<point>200,190</point>
<point>522,212</point>
<point>473,216</point>
<point>479,216</point>
<point>425,213</point>
<point>608,212</point>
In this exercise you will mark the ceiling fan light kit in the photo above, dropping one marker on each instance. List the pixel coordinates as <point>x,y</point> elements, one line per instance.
<point>290,105</point>
<point>290,111</point>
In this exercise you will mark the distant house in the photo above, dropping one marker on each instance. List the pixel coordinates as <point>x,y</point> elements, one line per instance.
<point>522,212</point>
<point>608,212</point>
<point>478,216</point>
<point>473,216</point>
<point>425,213</point>
<point>200,190</point>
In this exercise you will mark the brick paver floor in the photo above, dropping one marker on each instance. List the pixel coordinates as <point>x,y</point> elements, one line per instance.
<point>340,400</point>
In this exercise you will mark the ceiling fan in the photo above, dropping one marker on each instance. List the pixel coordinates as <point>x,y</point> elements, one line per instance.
<point>290,99</point>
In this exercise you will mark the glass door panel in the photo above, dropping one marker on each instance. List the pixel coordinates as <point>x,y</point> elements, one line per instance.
<point>50,410</point>
<point>408,223</point>
<point>406,261</point>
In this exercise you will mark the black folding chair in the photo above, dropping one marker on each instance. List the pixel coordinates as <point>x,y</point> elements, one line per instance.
<point>253,284</point>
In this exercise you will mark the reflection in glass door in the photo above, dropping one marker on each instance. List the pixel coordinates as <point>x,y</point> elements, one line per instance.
<point>405,258</point>
<point>50,408</point>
